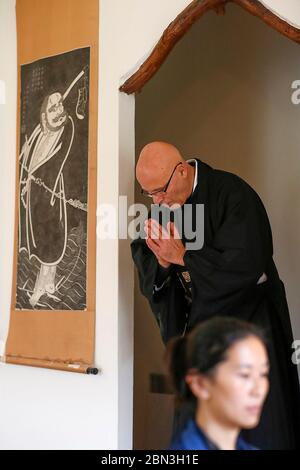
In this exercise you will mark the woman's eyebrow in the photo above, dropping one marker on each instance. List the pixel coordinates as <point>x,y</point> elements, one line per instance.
<point>250,366</point>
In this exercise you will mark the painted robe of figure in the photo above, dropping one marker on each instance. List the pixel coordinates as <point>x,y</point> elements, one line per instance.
<point>45,231</point>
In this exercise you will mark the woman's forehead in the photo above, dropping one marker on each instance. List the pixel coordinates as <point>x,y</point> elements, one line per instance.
<point>249,351</point>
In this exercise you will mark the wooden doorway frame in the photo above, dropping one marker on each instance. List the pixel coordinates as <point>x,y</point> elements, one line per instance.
<point>185,20</point>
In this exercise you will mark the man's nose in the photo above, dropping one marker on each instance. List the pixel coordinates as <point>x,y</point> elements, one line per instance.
<point>158,198</point>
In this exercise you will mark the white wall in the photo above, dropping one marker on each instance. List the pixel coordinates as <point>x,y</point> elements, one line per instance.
<point>288,10</point>
<point>40,408</point>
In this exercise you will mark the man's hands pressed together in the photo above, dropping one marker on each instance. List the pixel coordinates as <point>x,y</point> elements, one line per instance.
<point>164,243</point>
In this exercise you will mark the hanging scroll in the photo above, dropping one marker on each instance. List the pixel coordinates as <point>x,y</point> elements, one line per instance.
<point>53,295</point>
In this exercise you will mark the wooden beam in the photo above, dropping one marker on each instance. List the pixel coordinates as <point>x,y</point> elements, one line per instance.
<point>185,20</point>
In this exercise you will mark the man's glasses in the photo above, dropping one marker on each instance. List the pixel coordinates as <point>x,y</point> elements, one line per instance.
<point>160,190</point>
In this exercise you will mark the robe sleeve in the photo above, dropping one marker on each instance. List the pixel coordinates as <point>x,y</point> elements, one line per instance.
<point>224,273</point>
<point>168,303</point>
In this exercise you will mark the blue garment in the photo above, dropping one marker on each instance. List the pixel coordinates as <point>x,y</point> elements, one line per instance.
<point>193,438</point>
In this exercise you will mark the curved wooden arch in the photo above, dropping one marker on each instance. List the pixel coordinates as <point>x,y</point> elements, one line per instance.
<point>183,22</point>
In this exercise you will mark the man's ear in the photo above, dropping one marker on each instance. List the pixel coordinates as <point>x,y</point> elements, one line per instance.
<point>198,385</point>
<point>184,169</point>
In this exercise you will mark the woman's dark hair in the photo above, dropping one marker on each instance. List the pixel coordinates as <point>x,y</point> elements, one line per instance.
<point>204,348</point>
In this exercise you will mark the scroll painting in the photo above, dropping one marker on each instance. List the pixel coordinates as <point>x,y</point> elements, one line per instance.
<point>53,182</point>
<point>52,320</point>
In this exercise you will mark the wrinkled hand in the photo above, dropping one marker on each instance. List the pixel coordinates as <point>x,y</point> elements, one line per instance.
<point>164,243</point>
<point>152,231</point>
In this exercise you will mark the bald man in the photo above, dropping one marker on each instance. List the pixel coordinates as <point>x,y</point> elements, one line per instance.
<point>232,273</point>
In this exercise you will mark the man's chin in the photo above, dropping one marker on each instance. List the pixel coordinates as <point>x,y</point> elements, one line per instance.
<point>170,205</point>
<point>173,205</point>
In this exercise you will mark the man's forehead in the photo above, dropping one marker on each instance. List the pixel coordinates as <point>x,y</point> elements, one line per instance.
<point>155,169</point>
<point>151,176</point>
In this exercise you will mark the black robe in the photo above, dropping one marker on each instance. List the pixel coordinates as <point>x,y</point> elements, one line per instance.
<point>224,273</point>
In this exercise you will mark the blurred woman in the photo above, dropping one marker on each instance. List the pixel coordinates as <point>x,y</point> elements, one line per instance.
<point>222,367</point>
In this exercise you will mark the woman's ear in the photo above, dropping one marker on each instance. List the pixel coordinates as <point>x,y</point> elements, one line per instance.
<point>198,384</point>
